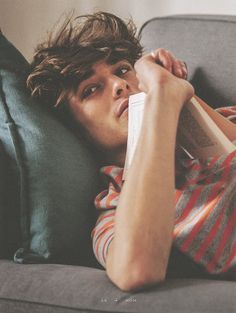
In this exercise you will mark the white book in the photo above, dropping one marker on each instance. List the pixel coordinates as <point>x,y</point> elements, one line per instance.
<point>197,134</point>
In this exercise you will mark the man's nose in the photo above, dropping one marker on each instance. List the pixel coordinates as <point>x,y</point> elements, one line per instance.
<point>120,87</point>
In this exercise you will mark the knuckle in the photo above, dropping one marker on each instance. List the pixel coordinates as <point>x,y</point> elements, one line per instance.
<point>162,50</point>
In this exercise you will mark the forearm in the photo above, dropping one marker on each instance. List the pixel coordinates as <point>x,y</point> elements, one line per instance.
<point>145,213</point>
<point>227,127</point>
<point>144,220</point>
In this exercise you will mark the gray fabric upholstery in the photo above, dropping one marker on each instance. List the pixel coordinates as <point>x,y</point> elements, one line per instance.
<point>51,288</point>
<point>60,288</point>
<point>207,44</point>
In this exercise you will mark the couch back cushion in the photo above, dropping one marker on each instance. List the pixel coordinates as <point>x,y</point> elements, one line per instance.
<point>207,44</point>
<point>52,178</point>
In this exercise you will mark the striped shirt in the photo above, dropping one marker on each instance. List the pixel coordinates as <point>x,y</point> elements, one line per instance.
<point>205,215</point>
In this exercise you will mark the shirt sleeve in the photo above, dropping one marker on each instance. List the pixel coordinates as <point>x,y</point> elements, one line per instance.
<point>106,203</point>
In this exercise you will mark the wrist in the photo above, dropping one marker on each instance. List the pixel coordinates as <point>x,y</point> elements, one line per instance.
<point>158,105</point>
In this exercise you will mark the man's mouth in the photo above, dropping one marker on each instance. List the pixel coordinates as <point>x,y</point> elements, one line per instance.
<point>122,107</point>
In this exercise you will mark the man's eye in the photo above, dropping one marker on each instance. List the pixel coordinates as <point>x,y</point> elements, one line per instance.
<point>88,91</point>
<point>123,70</point>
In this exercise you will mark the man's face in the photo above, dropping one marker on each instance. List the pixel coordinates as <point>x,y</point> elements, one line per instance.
<point>100,104</point>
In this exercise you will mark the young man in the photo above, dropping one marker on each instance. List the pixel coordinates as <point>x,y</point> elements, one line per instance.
<point>88,71</point>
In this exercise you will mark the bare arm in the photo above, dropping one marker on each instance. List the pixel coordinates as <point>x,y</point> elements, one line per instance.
<point>227,127</point>
<point>139,253</point>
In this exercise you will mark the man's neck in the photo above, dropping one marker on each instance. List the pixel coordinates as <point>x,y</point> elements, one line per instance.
<point>114,157</point>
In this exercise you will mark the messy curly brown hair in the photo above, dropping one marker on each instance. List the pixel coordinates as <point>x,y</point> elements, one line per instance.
<point>63,60</point>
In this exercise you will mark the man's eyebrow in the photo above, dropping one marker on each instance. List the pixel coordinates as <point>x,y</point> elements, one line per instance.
<point>86,75</point>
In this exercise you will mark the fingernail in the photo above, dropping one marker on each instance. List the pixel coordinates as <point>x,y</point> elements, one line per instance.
<point>153,54</point>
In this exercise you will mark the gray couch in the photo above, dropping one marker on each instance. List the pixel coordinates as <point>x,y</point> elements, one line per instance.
<point>207,44</point>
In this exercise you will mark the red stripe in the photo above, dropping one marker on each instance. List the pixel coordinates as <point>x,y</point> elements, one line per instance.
<point>104,256</point>
<point>116,177</point>
<point>119,178</point>
<point>230,259</point>
<point>107,215</point>
<point>96,245</point>
<point>178,194</point>
<point>201,176</point>
<point>104,227</point>
<point>227,231</point>
<point>107,170</point>
<point>207,241</point>
<point>194,196</point>
<point>109,199</point>
<point>99,239</point>
<point>196,229</point>
<point>103,216</point>
<point>99,198</point>
<point>187,211</point>
<point>202,220</point>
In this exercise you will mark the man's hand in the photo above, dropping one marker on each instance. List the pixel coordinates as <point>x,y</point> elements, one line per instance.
<point>170,63</point>
<point>160,73</point>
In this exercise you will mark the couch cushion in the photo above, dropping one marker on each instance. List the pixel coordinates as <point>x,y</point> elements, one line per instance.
<point>65,288</point>
<point>55,177</point>
<point>207,44</point>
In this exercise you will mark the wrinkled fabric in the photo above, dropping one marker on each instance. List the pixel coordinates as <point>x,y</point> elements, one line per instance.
<point>205,216</point>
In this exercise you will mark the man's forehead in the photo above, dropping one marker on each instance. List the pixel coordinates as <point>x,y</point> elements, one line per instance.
<point>90,71</point>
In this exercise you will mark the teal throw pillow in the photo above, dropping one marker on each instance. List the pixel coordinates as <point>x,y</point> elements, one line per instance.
<point>52,176</point>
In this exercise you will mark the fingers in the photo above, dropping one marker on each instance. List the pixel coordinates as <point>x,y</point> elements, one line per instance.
<point>179,69</point>
<point>163,58</point>
<point>170,63</point>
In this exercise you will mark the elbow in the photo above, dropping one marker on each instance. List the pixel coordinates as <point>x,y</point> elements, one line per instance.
<point>141,283</point>
<point>135,279</point>
<point>137,271</point>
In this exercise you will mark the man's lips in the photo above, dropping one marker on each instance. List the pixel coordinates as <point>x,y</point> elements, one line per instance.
<point>122,107</point>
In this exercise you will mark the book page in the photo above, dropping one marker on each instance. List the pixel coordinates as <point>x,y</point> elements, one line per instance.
<point>199,135</point>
